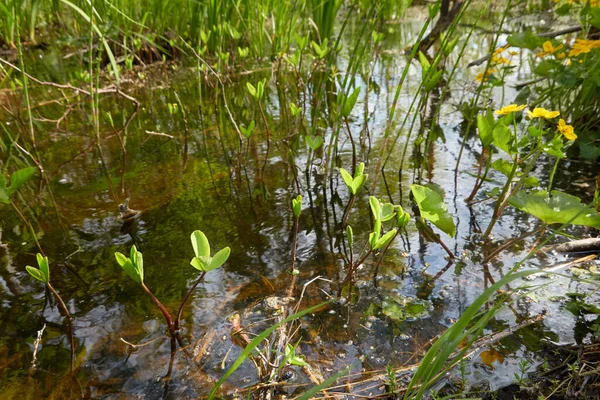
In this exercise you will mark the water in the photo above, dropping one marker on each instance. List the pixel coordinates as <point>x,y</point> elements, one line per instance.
<point>199,177</point>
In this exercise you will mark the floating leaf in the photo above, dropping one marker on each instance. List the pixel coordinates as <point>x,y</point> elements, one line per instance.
<point>433,209</point>
<point>559,208</point>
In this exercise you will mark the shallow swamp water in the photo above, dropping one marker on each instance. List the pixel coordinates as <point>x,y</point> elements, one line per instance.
<point>183,166</point>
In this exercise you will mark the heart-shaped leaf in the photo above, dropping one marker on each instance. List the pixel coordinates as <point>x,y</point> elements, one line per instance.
<point>314,142</point>
<point>247,131</point>
<point>200,244</point>
<point>503,137</point>
<point>433,209</point>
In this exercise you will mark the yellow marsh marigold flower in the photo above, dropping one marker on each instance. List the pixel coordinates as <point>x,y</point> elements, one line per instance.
<point>583,46</point>
<point>542,113</point>
<point>566,130</point>
<point>500,60</point>
<point>480,76</point>
<point>549,49</point>
<point>511,108</point>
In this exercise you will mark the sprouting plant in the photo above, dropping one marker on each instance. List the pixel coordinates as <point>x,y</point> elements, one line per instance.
<point>42,274</point>
<point>357,181</point>
<point>297,210</point>
<point>17,179</point>
<point>524,368</point>
<point>290,357</point>
<point>390,380</point>
<point>134,268</point>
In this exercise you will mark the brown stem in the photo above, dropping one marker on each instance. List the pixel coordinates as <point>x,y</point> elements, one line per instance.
<point>353,146</point>
<point>347,212</point>
<point>65,310</point>
<point>185,299</point>
<point>162,308</point>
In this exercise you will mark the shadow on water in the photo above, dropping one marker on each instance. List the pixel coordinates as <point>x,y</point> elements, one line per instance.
<point>184,168</point>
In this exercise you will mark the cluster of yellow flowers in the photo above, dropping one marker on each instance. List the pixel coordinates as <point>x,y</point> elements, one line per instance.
<point>497,59</point>
<point>548,49</point>
<point>538,112</point>
<point>583,46</point>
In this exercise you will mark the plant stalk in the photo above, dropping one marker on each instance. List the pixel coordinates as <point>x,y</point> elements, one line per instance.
<point>185,299</point>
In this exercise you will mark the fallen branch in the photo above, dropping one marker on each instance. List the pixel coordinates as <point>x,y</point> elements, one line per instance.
<point>591,245</point>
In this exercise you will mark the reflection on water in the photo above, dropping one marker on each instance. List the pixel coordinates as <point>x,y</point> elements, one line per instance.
<point>188,170</point>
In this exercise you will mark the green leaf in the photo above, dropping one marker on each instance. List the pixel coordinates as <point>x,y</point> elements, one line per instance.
<point>502,166</point>
<point>375,207</point>
<point>44,266</point>
<point>402,216</point>
<point>559,208</point>
<point>200,244</point>
<point>252,90</point>
<point>247,131</point>
<point>374,236</point>
<point>485,130</point>
<point>357,183</point>
<point>254,344</point>
<point>36,274</point>
<point>385,239</point>
<point>219,259</point>
<point>314,143</point>
<point>17,179</point>
<point>128,267</point>
<point>502,137</point>
<point>525,40</point>
<point>433,80</point>
<point>297,206</point>
<point>433,209</point>
<point>346,177</point>
<point>360,168</point>
<point>350,236</point>
<point>425,64</point>
<point>350,102</point>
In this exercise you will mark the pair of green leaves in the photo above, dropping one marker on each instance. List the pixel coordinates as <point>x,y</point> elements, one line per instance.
<point>258,91</point>
<point>381,213</point>
<point>430,79</point>
<point>17,180</point>
<point>203,261</point>
<point>297,206</point>
<point>320,50</point>
<point>376,241</point>
<point>314,142</point>
<point>43,273</point>
<point>433,209</point>
<point>248,130</point>
<point>496,132</point>
<point>356,182</point>
<point>132,265</point>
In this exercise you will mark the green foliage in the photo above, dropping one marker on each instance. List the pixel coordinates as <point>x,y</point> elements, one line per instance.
<point>297,206</point>
<point>132,265</point>
<point>43,273</point>
<point>256,342</point>
<point>314,142</point>
<point>247,131</point>
<point>17,179</point>
<point>349,102</point>
<point>383,212</point>
<point>291,358</point>
<point>356,182</point>
<point>559,208</point>
<point>203,261</point>
<point>258,91</point>
<point>376,241</point>
<point>433,209</point>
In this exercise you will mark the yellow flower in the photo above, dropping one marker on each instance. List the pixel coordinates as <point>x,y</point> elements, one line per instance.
<point>500,60</point>
<point>511,108</point>
<point>548,49</point>
<point>501,49</point>
<point>480,77</point>
<point>542,113</point>
<point>566,130</point>
<point>561,56</point>
<point>583,46</point>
